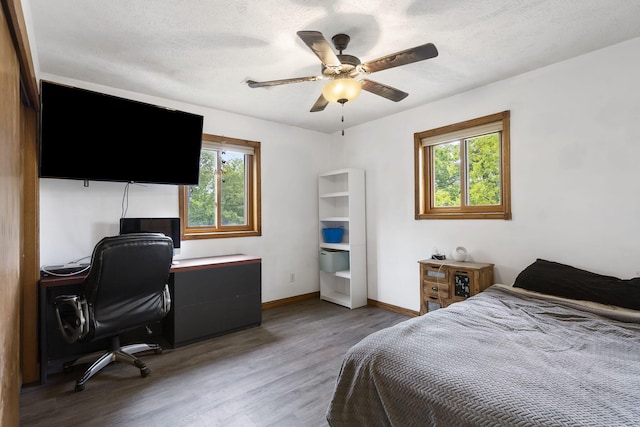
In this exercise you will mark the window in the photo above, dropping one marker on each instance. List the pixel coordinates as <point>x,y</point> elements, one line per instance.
<point>226,201</point>
<point>462,170</point>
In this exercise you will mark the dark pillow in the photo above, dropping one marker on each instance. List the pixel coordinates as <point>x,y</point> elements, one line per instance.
<point>561,280</point>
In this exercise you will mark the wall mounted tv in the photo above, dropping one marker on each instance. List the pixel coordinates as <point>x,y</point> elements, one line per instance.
<point>89,135</point>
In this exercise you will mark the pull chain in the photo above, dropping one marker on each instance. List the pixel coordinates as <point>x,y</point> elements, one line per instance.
<point>342,119</point>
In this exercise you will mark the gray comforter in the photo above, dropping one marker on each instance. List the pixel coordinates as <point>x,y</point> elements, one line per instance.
<point>501,358</point>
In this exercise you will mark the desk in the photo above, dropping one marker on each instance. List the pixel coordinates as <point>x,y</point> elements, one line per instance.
<point>210,296</point>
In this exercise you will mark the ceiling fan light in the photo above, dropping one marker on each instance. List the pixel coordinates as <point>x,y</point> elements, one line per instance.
<point>342,90</point>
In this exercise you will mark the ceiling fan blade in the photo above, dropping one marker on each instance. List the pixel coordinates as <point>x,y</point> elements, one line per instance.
<point>384,91</point>
<point>253,83</point>
<point>320,104</point>
<point>404,57</point>
<point>321,47</point>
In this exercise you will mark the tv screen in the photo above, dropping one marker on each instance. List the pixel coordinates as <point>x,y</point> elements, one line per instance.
<point>167,226</point>
<point>93,136</point>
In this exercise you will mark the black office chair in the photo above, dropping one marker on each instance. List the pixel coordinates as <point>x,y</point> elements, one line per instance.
<point>126,288</point>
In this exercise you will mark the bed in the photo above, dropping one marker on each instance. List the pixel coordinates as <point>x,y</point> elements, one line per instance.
<point>543,352</point>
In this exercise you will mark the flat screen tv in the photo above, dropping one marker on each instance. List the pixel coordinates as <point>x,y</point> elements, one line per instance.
<point>167,226</point>
<point>89,135</point>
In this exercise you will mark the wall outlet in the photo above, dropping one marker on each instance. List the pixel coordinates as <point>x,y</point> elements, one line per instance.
<point>292,278</point>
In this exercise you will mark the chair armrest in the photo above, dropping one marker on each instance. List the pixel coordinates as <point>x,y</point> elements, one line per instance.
<point>72,314</point>
<point>166,299</point>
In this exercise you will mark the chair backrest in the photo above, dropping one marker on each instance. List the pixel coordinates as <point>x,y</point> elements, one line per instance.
<point>125,285</point>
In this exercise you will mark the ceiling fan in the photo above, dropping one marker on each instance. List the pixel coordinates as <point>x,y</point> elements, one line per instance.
<point>347,72</point>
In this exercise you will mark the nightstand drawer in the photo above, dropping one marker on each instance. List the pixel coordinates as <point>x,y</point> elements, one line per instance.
<point>432,298</point>
<point>435,273</point>
<point>439,290</point>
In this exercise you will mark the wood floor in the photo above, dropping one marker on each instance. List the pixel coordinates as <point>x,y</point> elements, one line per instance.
<point>281,373</point>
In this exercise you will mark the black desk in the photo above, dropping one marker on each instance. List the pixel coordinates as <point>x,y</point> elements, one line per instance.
<point>209,297</point>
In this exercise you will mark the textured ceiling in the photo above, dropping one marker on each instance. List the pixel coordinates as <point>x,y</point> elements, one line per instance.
<point>201,52</point>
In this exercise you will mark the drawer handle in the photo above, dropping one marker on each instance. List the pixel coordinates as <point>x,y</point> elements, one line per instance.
<point>434,298</point>
<point>434,288</point>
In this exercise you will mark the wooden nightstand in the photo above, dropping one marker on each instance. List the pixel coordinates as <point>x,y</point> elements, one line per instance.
<point>446,282</point>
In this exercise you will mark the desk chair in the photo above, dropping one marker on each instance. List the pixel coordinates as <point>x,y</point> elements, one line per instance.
<point>126,288</point>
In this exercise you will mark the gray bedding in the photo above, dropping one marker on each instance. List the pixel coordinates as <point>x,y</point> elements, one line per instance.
<point>501,358</point>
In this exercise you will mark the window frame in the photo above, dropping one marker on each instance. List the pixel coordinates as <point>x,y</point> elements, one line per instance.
<point>253,227</point>
<point>423,166</point>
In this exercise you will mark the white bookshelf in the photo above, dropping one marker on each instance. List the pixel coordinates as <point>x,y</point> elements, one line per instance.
<point>342,204</point>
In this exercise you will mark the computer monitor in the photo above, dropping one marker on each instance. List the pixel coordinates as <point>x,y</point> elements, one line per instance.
<point>167,226</point>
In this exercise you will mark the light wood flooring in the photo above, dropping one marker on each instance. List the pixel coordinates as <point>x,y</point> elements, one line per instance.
<point>281,373</point>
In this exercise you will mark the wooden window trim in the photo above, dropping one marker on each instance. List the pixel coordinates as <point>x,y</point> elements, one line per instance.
<point>253,194</point>
<point>424,208</point>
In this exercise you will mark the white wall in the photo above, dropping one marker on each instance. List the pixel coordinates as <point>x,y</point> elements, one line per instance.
<point>575,161</point>
<point>73,218</point>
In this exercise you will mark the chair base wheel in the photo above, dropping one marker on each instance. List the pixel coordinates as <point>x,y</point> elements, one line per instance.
<point>118,354</point>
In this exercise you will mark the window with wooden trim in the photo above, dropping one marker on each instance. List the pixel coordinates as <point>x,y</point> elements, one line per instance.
<point>462,170</point>
<point>226,201</point>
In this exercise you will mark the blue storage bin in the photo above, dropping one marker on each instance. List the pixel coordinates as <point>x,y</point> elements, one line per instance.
<point>332,235</point>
